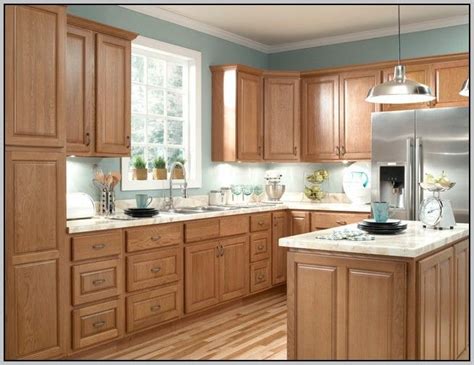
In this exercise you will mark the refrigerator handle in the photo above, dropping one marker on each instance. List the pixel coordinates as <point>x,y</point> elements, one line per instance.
<point>418,174</point>
<point>409,179</point>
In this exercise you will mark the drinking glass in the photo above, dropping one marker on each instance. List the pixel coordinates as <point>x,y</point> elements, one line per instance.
<point>258,190</point>
<point>247,190</point>
<point>236,190</point>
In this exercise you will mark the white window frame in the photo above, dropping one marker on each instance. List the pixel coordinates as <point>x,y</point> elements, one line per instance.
<point>194,149</point>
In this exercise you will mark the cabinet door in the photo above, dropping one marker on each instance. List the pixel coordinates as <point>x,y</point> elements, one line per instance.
<point>80,91</point>
<point>461,300</point>
<point>320,118</point>
<point>249,117</point>
<point>418,73</point>
<point>436,306</point>
<point>113,95</point>
<point>447,80</point>
<point>355,124</point>
<point>282,118</point>
<point>201,275</point>
<point>35,241</point>
<point>234,268</point>
<point>279,230</point>
<point>35,58</point>
<point>299,222</point>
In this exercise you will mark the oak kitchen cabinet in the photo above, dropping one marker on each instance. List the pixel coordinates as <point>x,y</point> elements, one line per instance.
<point>299,222</point>
<point>447,78</point>
<point>279,230</point>
<point>97,88</point>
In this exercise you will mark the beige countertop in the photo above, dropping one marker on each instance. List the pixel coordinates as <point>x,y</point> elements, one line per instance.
<point>413,242</point>
<point>102,223</point>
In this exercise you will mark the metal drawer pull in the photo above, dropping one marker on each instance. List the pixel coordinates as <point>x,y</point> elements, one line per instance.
<point>260,247</point>
<point>342,223</point>
<point>260,223</point>
<point>218,251</point>
<point>222,251</point>
<point>155,308</point>
<point>98,246</point>
<point>260,277</point>
<point>99,324</point>
<point>343,150</point>
<point>155,269</point>
<point>98,281</point>
<point>155,238</point>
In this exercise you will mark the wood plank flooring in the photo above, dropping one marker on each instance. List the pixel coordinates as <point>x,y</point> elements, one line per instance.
<point>255,330</point>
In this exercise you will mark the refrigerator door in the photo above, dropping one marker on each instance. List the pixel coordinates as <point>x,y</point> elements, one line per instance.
<point>443,136</point>
<point>393,160</point>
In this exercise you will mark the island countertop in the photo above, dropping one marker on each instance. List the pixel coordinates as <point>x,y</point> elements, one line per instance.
<point>413,242</point>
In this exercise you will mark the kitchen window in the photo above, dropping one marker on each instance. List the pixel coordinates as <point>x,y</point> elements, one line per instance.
<point>166,111</point>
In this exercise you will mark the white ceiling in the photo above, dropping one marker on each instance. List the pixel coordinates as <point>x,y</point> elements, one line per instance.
<point>274,28</point>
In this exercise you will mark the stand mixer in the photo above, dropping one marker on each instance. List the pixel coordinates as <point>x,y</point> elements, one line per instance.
<point>274,188</point>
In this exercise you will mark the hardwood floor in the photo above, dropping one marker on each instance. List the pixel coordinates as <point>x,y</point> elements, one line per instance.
<point>254,330</point>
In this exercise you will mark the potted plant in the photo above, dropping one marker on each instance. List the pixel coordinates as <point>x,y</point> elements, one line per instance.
<point>140,171</point>
<point>159,169</point>
<point>178,171</point>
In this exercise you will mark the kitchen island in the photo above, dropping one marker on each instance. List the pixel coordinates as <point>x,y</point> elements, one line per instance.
<point>397,297</point>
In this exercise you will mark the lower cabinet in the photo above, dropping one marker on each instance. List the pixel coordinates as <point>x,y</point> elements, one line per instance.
<point>299,222</point>
<point>461,300</point>
<point>260,276</point>
<point>234,268</point>
<point>279,230</point>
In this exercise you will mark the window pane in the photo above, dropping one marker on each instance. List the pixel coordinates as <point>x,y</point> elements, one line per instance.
<point>175,132</point>
<point>138,129</point>
<point>138,68</point>
<point>175,76</point>
<point>174,104</point>
<point>173,154</point>
<point>154,152</point>
<point>156,72</point>
<point>156,131</point>
<point>155,101</point>
<point>138,99</point>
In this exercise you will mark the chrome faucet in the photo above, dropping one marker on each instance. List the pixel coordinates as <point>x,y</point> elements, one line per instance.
<point>170,203</point>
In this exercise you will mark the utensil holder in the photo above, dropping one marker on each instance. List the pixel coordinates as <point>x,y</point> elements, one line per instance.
<point>107,202</point>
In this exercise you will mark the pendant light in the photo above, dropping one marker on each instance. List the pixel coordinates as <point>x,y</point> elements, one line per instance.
<point>465,88</point>
<point>400,90</point>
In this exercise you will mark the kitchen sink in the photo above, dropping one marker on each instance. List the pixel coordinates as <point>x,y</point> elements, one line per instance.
<point>195,210</point>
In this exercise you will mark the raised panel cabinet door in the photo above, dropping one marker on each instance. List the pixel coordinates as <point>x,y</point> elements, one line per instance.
<point>299,222</point>
<point>249,117</point>
<point>436,306</point>
<point>80,83</point>
<point>113,98</point>
<point>282,118</point>
<point>201,283</point>
<point>279,230</point>
<point>461,300</point>
<point>320,118</point>
<point>447,80</point>
<point>35,52</point>
<point>355,126</point>
<point>418,73</point>
<point>234,268</point>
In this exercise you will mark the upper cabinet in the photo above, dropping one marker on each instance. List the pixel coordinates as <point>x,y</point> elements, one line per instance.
<point>98,89</point>
<point>34,60</point>
<point>446,82</point>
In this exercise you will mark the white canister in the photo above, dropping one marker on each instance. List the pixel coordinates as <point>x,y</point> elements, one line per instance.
<point>215,197</point>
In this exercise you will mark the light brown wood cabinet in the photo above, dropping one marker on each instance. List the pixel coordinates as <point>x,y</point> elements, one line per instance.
<point>299,222</point>
<point>98,89</point>
<point>234,268</point>
<point>446,80</point>
<point>461,300</point>
<point>279,230</point>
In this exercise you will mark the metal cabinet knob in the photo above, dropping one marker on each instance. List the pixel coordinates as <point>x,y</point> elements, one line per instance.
<point>98,281</point>
<point>342,223</point>
<point>98,324</point>
<point>155,238</point>
<point>260,247</point>
<point>155,269</point>
<point>88,139</point>
<point>155,308</point>
<point>98,246</point>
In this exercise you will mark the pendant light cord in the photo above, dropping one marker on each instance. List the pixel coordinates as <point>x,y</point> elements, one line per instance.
<point>399,41</point>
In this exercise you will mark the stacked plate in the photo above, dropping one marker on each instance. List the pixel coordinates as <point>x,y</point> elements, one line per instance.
<point>141,212</point>
<point>391,226</point>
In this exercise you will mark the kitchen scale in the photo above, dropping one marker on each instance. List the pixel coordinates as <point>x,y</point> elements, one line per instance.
<point>437,213</point>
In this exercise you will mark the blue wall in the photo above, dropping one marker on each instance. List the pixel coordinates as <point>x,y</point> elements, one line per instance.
<point>218,51</point>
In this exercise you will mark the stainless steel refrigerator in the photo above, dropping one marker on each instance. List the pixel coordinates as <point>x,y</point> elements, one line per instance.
<point>408,144</point>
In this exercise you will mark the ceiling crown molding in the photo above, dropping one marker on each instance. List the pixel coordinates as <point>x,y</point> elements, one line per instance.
<point>157,12</point>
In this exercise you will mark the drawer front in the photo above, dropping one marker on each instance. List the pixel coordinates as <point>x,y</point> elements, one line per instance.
<point>260,246</point>
<point>152,269</point>
<point>201,230</point>
<point>96,281</point>
<point>96,245</point>
<point>260,276</point>
<point>234,225</point>
<point>144,238</point>
<point>153,307</point>
<point>260,222</point>
<point>95,324</point>
<point>329,220</point>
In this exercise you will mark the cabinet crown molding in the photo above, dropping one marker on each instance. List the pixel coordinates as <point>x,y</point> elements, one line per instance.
<point>100,28</point>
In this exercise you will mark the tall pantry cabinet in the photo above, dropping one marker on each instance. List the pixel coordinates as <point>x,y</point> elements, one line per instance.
<point>35,181</point>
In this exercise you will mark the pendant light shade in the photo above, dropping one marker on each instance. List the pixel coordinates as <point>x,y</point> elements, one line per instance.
<point>465,88</point>
<point>400,90</point>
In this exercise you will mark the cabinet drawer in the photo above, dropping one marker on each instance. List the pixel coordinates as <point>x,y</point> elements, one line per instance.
<point>97,323</point>
<point>260,277</point>
<point>260,222</point>
<point>231,226</point>
<point>97,280</point>
<point>152,269</point>
<point>97,245</point>
<point>144,238</point>
<point>260,246</point>
<point>201,230</point>
<point>153,307</point>
<point>329,220</point>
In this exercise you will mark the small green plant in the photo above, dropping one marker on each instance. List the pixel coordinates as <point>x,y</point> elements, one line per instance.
<point>139,162</point>
<point>159,163</point>
<point>180,159</point>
